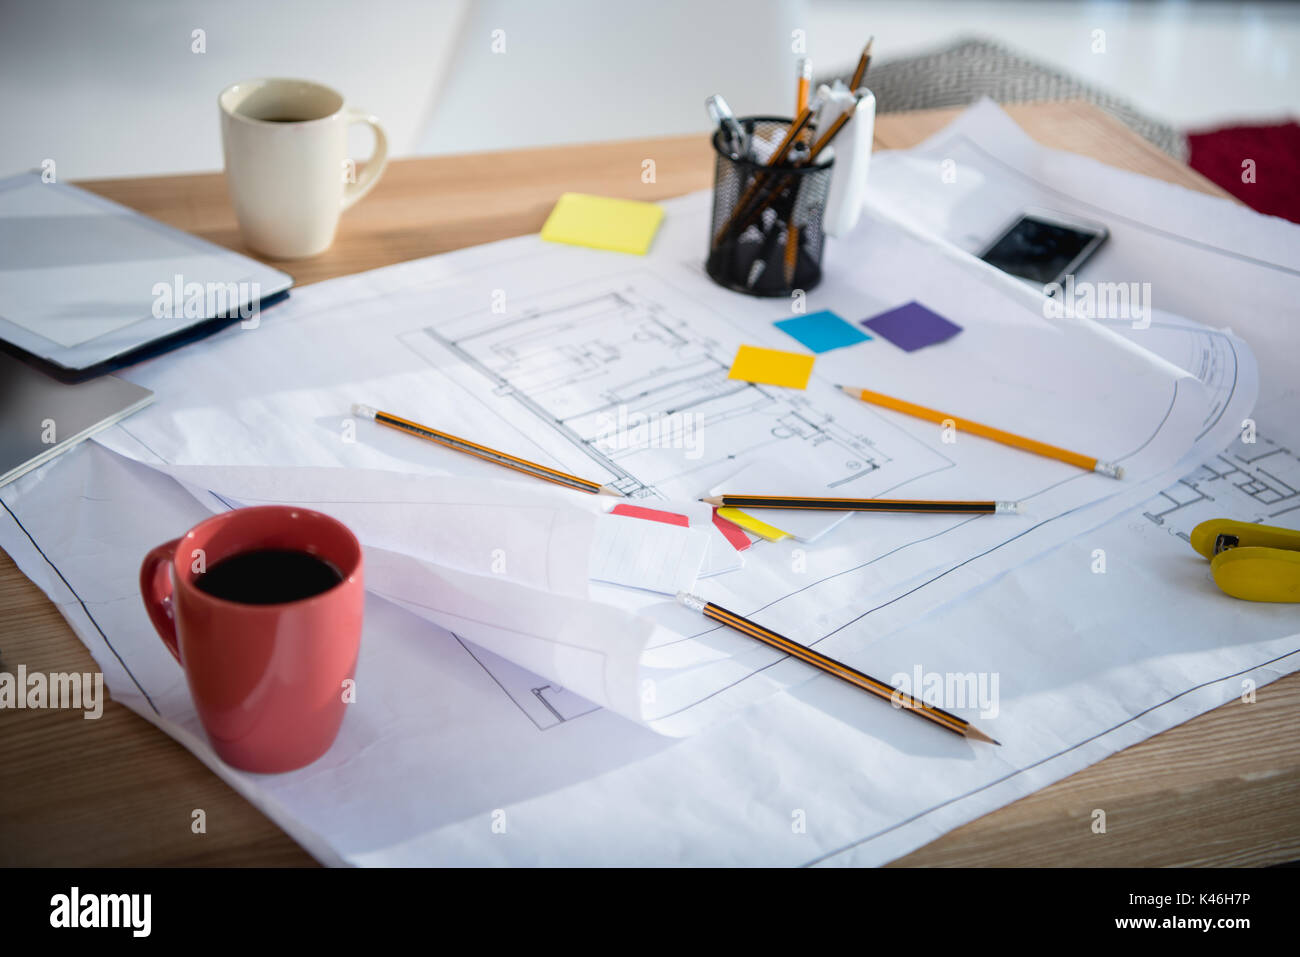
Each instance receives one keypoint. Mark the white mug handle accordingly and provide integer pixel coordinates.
(374, 166)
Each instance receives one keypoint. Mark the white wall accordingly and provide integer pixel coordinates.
(575, 71)
(111, 87)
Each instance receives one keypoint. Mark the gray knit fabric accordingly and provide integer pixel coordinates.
(961, 73)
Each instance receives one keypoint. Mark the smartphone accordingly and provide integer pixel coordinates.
(1042, 247)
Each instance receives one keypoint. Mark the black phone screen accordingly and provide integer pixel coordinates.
(1037, 250)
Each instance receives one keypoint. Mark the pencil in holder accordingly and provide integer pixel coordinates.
(766, 235)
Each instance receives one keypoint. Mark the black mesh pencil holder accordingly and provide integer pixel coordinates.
(766, 237)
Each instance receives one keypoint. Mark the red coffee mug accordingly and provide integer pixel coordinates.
(267, 680)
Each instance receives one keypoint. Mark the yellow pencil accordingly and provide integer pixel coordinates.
(987, 432)
(791, 250)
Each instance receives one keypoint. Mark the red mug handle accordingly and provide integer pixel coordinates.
(156, 589)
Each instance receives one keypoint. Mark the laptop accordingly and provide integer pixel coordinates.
(41, 417)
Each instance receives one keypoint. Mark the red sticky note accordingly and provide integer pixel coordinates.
(732, 532)
(651, 514)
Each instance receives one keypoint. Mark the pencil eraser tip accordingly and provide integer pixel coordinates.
(365, 411)
(690, 601)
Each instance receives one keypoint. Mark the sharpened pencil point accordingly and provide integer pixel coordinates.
(864, 62)
(607, 490)
(714, 500)
(978, 735)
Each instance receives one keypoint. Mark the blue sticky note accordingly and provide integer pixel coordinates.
(822, 331)
(912, 326)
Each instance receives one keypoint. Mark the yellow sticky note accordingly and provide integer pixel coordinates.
(751, 524)
(623, 225)
(772, 367)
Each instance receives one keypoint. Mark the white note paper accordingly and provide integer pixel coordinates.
(645, 554)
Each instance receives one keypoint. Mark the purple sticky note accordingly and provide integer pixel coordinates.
(912, 326)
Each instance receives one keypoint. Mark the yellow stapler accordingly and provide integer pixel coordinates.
(1254, 562)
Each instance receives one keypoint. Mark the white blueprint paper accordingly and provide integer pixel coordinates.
(1105, 660)
(588, 348)
(1209, 259)
(577, 785)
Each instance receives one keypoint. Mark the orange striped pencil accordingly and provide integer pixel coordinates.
(988, 432)
(494, 456)
(812, 503)
(944, 719)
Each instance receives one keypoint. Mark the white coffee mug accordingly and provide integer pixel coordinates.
(287, 166)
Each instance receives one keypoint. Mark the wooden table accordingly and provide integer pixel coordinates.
(1220, 789)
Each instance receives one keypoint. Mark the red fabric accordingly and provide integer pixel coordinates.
(1221, 155)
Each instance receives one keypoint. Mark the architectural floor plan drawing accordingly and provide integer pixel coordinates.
(1256, 482)
(633, 389)
(620, 386)
(545, 704)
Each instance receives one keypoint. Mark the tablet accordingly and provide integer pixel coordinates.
(87, 285)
